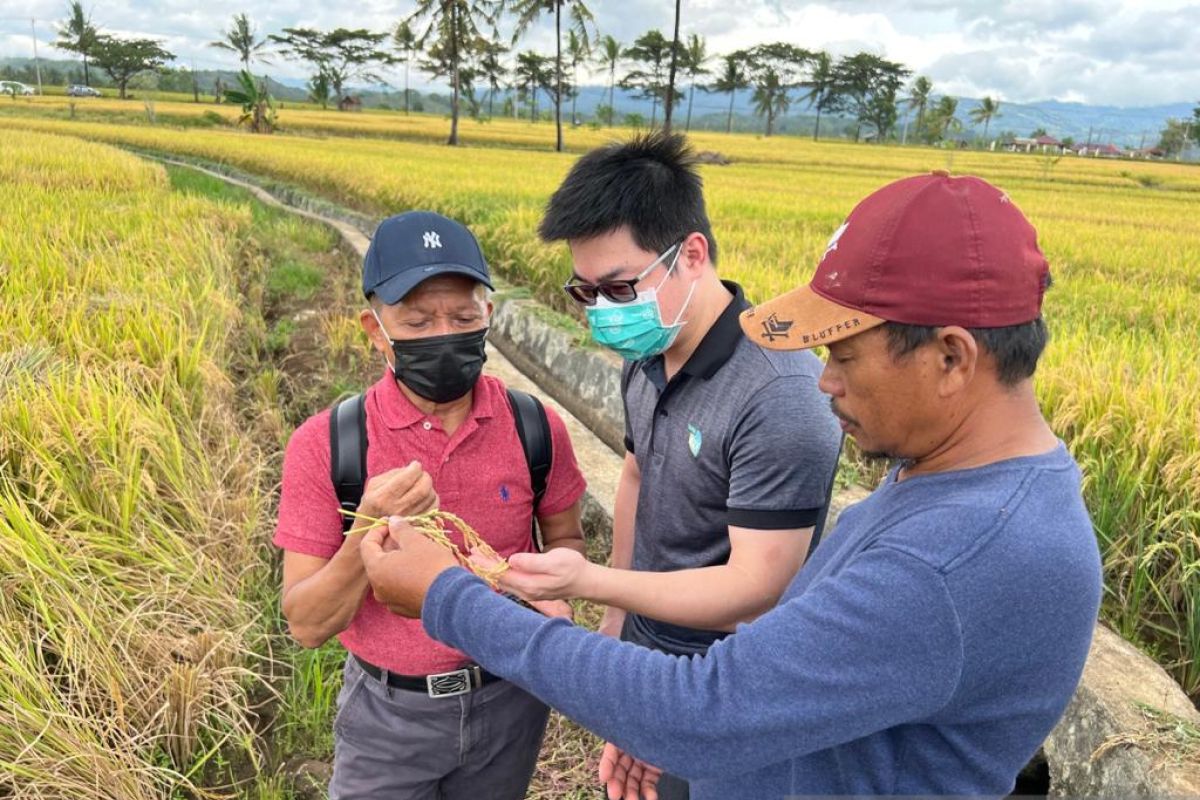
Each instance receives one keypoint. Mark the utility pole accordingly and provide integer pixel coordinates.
(37, 65)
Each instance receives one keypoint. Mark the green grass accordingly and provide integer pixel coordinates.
(309, 700)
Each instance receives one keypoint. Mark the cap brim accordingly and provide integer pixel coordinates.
(802, 319)
(394, 289)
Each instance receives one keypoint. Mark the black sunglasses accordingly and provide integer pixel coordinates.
(617, 291)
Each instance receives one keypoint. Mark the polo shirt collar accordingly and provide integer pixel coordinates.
(399, 412)
(719, 342)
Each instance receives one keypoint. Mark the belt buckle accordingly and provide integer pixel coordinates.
(449, 684)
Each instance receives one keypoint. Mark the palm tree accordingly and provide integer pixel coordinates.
(78, 35)
(455, 26)
(578, 50)
(984, 112)
(732, 78)
(694, 56)
(670, 97)
(820, 84)
(610, 55)
(405, 41)
(242, 39)
(492, 69)
(943, 117)
(532, 73)
(580, 20)
(770, 98)
(918, 98)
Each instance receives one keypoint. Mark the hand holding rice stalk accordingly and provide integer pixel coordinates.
(432, 525)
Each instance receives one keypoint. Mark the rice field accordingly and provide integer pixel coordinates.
(1120, 382)
(128, 488)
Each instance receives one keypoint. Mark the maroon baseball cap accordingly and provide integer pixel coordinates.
(927, 250)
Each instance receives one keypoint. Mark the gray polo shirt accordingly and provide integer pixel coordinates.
(739, 436)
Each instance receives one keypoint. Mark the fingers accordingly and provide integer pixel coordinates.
(527, 562)
(554, 608)
(608, 761)
(484, 561)
(417, 498)
(399, 529)
(372, 541)
(406, 490)
(625, 777)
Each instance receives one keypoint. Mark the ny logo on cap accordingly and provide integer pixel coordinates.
(432, 240)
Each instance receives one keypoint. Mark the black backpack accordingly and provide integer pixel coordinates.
(348, 449)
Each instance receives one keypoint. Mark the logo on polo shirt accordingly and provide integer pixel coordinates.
(694, 440)
(505, 494)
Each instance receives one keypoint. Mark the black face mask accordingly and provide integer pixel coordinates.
(440, 368)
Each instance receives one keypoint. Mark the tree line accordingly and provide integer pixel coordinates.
(460, 41)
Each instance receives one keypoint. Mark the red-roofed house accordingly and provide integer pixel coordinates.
(1046, 142)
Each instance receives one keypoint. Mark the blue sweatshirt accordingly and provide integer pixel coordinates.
(928, 647)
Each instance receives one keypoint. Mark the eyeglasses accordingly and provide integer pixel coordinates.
(618, 291)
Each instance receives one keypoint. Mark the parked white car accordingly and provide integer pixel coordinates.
(16, 88)
(82, 91)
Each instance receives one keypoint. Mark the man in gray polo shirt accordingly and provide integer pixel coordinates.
(731, 449)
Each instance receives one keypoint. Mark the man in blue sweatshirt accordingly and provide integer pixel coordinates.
(934, 639)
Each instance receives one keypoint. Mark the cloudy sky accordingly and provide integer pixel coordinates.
(1114, 52)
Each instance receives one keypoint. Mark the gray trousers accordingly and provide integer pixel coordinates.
(395, 744)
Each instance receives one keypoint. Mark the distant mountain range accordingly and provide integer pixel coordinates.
(1127, 127)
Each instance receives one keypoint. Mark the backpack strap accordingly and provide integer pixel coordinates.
(348, 453)
(533, 429)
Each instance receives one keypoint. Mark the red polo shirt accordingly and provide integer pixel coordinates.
(479, 474)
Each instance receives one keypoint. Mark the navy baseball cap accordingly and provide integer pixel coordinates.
(411, 247)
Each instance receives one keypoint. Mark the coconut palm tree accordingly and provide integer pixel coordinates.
(918, 98)
(78, 35)
(578, 50)
(821, 84)
(675, 53)
(731, 78)
(610, 51)
(241, 38)
(405, 42)
(943, 117)
(533, 73)
(985, 112)
(454, 26)
(695, 53)
(770, 98)
(581, 20)
(492, 70)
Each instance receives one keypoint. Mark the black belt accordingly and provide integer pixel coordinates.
(441, 684)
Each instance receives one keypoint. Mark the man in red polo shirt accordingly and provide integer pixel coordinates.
(439, 433)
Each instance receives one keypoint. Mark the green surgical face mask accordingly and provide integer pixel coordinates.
(635, 330)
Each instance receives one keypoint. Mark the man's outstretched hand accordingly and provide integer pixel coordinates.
(626, 777)
(557, 574)
(401, 565)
